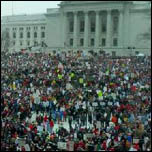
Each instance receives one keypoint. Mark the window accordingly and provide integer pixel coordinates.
(92, 26)
(115, 42)
(14, 29)
(14, 43)
(104, 25)
(82, 26)
(92, 42)
(137, 52)
(35, 27)
(35, 34)
(21, 35)
(35, 43)
(43, 34)
(42, 44)
(28, 28)
(21, 28)
(71, 26)
(14, 35)
(28, 43)
(103, 42)
(28, 34)
(103, 28)
(42, 27)
(7, 34)
(71, 42)
(115, 24)
(113, 53)
(21, 43)
(81, 42)
(7, 29)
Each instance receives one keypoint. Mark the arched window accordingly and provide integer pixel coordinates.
(14, 35)
(43, 34)
(28, 34)
(21, 35)
(35, 34)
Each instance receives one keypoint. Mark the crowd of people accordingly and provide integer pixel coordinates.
(105, 102)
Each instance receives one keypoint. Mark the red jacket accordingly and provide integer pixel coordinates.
(136, 146)
(104, 145)
(45, 118)
(31, 126)
(51, 124)
(81, 144)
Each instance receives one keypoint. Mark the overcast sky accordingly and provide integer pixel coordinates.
(27, 7)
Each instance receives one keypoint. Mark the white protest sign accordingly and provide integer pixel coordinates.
(110, 103)
(75, 135)
(62, 145)
(95, 104)
(8, 94)
(89, 135)
(21, 142)
(135, 140)
(84, 137)
(27, 147)
(98, 124)
(105, 89)
(40, 128)
(102, 103)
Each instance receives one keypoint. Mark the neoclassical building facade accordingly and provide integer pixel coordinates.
(116, 27)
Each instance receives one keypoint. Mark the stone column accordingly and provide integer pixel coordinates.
(97, 30)
(86, 29)
(120, 38)
(108, 35)
(75, 34)
(65, 29)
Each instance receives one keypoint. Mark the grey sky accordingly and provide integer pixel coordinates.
(26, 7)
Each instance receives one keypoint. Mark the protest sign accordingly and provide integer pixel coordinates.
(60, 76)
(62, 145)
(40, 129)
(135, 141)
(95, 104)
(110, 103)
(89, 135)
(27, 147)
(102, 103)
(98, 124)
(71, 146)
(80, 80)
(21, 141)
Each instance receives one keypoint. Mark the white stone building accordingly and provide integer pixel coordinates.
(25, 30)
(111, 26)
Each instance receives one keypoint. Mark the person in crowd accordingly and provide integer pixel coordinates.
(47, 98)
